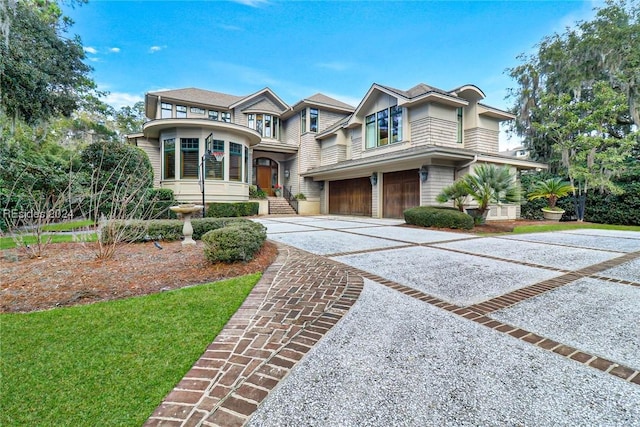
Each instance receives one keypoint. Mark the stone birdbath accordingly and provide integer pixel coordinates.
(187, 229)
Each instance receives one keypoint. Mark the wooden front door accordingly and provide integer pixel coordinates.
(263, 179)
(400, 191)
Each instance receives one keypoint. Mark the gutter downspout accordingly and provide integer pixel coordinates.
(466, 165)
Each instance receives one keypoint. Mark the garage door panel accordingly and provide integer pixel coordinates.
(350, 197)
(401, 190)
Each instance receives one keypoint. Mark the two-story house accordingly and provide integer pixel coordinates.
(396, 149)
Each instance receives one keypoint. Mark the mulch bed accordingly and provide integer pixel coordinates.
(69, 274)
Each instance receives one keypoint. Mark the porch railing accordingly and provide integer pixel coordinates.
(293, 202)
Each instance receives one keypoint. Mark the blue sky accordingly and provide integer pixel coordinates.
(299, 48)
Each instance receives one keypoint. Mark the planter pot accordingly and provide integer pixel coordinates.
(477, 217)
(550, 215)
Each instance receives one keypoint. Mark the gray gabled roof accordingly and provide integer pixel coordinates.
(320, 98)
(199, 96)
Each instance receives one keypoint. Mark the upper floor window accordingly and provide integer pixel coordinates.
(265, 124)
(213, 114)
(384, 127)
(303, 121)
(313, 120)
(181, 111)
(459, 129)
(167, 110)
(197, 110)
(225, 116)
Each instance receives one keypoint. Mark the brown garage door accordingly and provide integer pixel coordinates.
(401, 190)
(350, 197)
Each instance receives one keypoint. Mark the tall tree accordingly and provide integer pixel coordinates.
(42, 73)
(605, 49)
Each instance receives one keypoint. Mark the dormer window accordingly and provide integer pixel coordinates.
(266, 125)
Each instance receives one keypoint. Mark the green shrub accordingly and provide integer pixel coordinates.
(237, 241)
(226, 210)
(256, 193)
(159, 200)
(161, 229)
(300, 196)
(431, 216)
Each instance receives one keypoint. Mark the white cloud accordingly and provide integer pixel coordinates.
(252, 3)
(94, 59)
(335, 65)
(90, 49)
(154, 49)
(120, 99)
(114, 49)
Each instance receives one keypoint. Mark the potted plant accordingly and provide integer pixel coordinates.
(551, 189)
(277, 190)
(490, 184)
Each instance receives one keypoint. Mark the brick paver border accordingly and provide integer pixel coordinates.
(299, 298)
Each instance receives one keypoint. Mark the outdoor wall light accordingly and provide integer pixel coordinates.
(374, 178)
(424, 173)
(286, 173)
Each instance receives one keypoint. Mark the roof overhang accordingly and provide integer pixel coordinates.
(438, 97)
(520, 164)
(152, 129)
(401, 159)
(276, 147)
(485, 110)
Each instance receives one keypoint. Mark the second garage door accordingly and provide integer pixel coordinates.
(401, 190)
(350, 197)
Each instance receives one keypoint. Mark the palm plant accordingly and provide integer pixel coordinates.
(551, 189)
(457, 192)
(491, 184)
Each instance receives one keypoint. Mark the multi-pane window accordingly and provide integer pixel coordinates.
(214, 169)
(197, 110)
(246, 164)
(189, 157)
(383, 127)
(169, 148)
(313, 120)
(213, 115)
(166, 111)
(370, 131)
(265, 124)
(235, 161)
(225, 116)
(303, 121)
(396, 124)
(459, 129)
(181, 111)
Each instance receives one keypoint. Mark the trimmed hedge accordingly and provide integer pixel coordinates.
(237, 241)
(163, 229)
(226, 210)
(442, 217)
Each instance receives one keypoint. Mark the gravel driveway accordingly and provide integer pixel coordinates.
(536, 330)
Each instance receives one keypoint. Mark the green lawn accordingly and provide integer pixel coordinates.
(68, 226)
(571, 226)
(109, 363)
(9, 242)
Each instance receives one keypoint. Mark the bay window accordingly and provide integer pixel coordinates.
(189, 157)
(235, 162)
(214, 169)
(169, 158)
